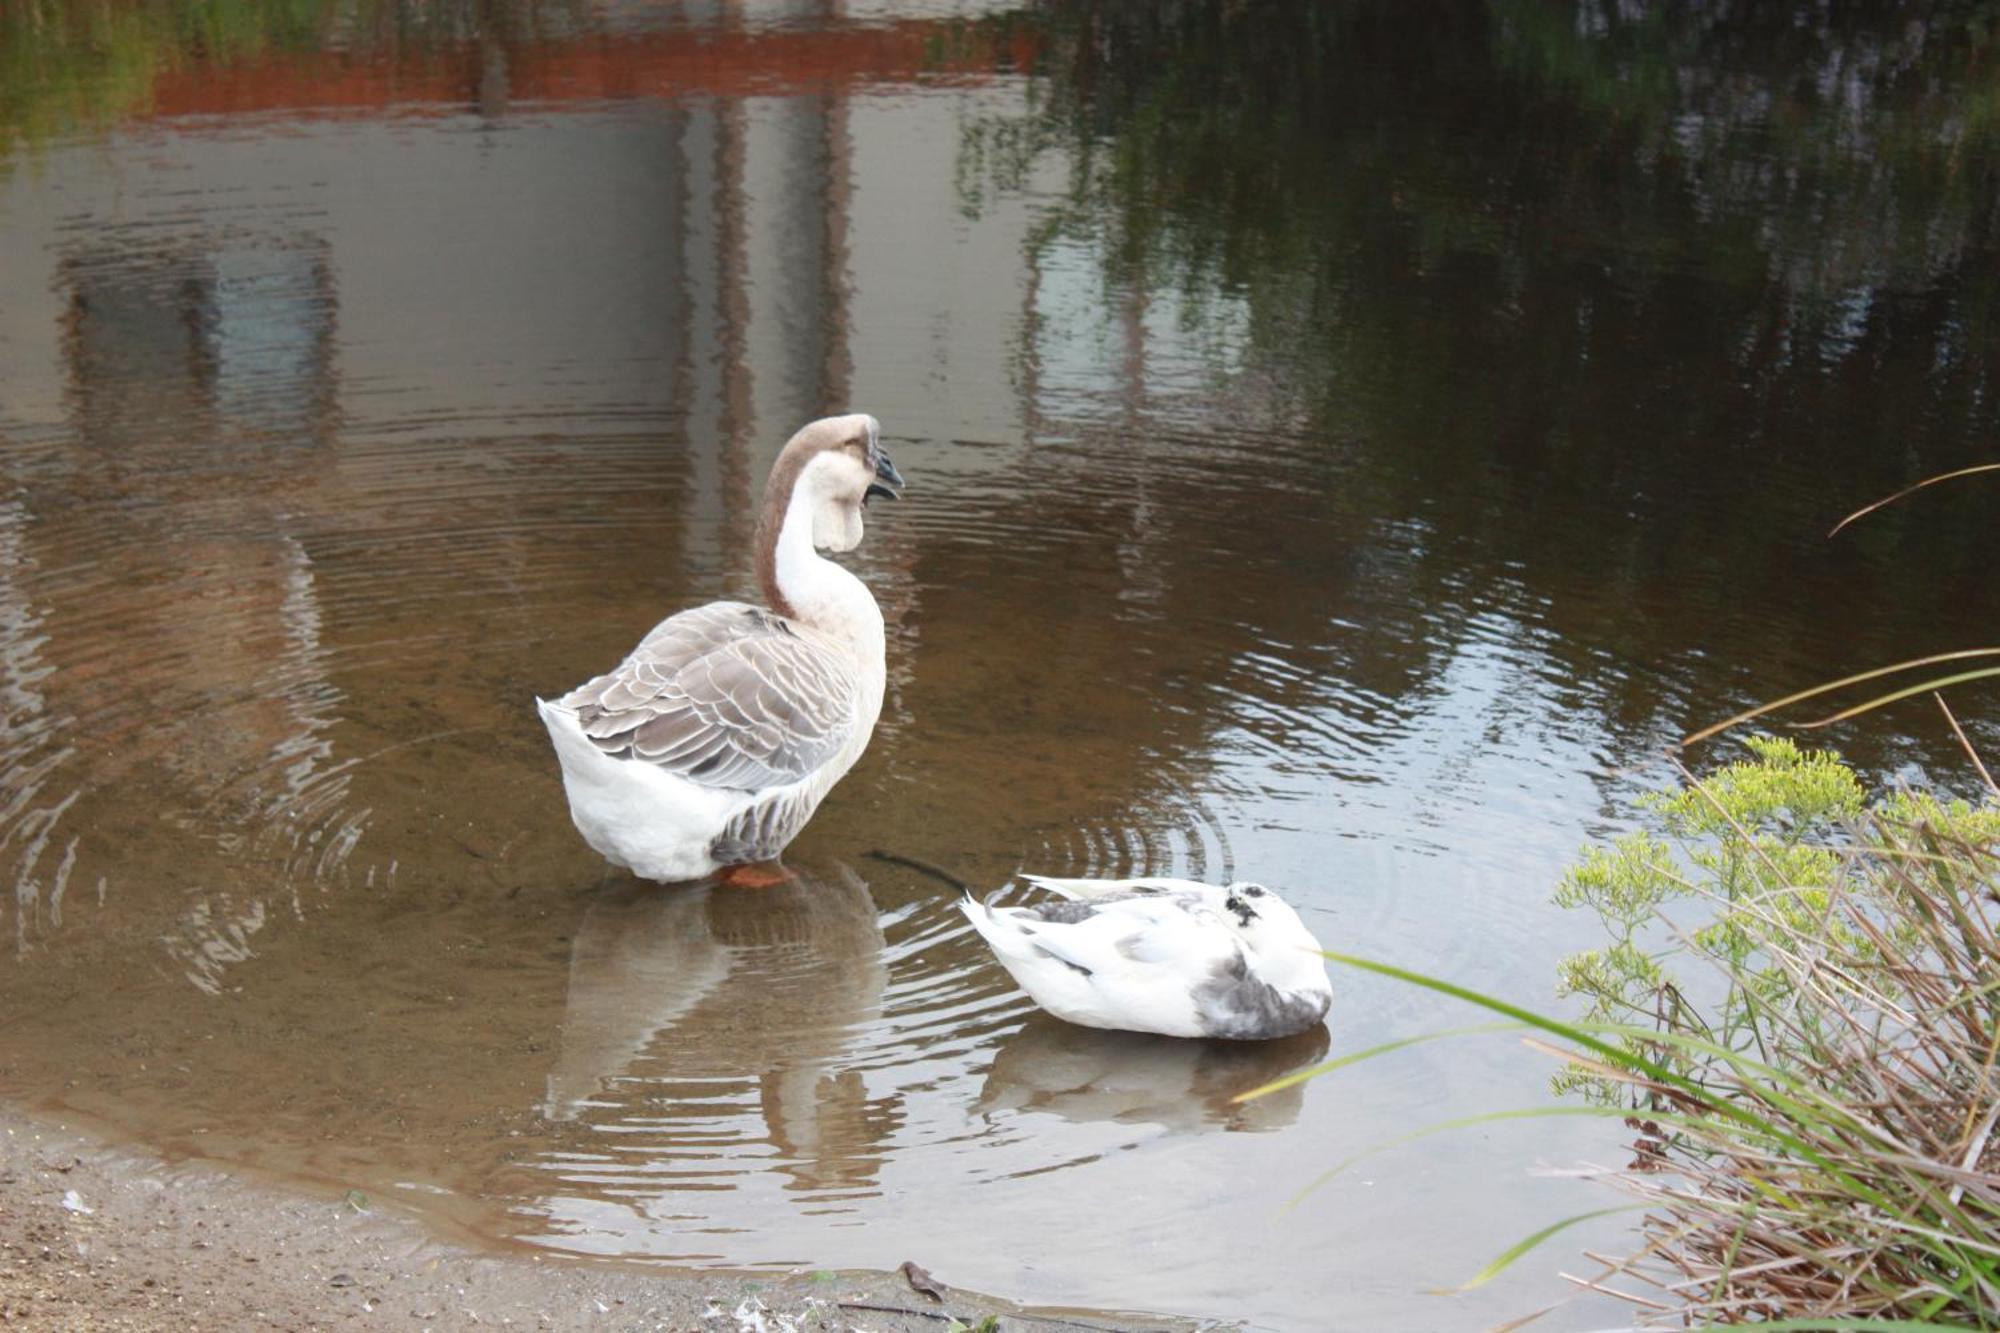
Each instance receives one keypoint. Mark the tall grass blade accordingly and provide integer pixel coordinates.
(1828, 688)
(1298, 1076)
(1923, 687)
(1911, 490)
(1859, 1325)
(1527, 1243)
(1446, 1126)
(1979, 763)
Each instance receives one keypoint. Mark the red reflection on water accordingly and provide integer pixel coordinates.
(716, 62)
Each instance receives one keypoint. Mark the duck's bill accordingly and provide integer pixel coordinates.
(888, 482)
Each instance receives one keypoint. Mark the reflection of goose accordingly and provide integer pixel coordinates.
(714, 742)
(704, 984)
(640, 960)
(1172, 956)
(1082, 1074)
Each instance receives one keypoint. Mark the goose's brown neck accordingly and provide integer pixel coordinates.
(771, 522)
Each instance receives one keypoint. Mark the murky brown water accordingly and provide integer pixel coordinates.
(1345, 462)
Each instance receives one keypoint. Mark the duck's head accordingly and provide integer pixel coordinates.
(1266, 923)
(833, 466)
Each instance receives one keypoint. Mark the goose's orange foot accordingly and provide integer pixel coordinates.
(768, 875)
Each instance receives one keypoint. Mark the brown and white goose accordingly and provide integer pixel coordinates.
(712, 744)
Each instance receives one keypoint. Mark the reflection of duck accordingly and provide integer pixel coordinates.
(1171, 956)
(1083, 1074)
(715, 740)
(718, 986)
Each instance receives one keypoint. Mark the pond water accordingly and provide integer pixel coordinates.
(1345, 447)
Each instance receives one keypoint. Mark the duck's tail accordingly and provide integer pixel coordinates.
(1001, 935)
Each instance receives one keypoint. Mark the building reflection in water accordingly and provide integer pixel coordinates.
(32, 751)
(181, 627)
(254, 384)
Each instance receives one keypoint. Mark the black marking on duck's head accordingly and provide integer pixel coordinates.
(1237, 904)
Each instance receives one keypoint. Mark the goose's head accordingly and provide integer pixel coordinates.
(833, 466)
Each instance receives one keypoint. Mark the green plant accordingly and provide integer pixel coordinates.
(1827, 1143)
(1810, 1072)
(1757, 849)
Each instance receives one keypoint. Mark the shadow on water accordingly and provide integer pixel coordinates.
(1082, 1074)
(1345, 443)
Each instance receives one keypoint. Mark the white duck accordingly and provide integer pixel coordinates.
(712, 744)
(1162, 955)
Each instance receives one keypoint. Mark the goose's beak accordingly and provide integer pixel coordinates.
(888, 482)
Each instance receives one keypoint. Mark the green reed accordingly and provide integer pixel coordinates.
(1809, 1074)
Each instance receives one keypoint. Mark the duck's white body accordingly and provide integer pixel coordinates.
(1171, 956)
(715, 740)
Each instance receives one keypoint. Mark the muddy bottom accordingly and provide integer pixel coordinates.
(97, 1238)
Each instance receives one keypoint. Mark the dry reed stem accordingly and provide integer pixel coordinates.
(1970, 753)
(1894, 1018)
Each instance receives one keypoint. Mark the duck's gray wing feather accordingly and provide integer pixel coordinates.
(726, 695)
(1139, 928)
(1085, 889)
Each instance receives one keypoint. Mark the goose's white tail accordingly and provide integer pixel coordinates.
(638, 816)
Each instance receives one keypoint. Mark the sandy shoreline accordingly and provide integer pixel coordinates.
(94, 1236)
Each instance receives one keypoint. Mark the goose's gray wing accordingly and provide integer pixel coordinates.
(726, 695)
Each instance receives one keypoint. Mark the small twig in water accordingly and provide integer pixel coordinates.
(949, 1317)
(938, 873)
(945, 1315)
